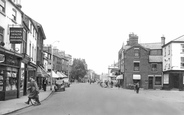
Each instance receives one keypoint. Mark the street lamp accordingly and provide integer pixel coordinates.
(52, 64)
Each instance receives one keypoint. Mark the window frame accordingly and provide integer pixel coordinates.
(136, 51)
(157, 81)
(14, 16)
(182, 62)
(2, 34)
(3, 7)
(137, 66)
(182, 48)
(154, 69)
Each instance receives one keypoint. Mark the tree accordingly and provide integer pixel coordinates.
(79, 69)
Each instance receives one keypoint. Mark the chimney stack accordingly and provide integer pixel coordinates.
(163, 40)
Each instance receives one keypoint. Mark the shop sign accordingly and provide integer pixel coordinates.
(2, 58)
(16, 35)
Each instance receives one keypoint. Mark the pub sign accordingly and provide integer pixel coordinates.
(16, 35)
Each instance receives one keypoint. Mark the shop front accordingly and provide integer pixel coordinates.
(10, 63)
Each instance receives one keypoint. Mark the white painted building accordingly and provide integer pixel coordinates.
(10, 17)
(173, 64)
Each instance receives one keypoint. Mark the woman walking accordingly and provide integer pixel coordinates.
(34, 91)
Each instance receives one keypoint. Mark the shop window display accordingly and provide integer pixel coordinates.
(1, 80)
(11, 79)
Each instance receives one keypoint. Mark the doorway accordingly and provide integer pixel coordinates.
(175, 80)
(150, 83)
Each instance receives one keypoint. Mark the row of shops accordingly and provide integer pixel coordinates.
(15, 71)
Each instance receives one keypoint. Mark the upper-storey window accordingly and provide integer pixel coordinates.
(136, 66)
(2, 6)
(182, 48)
(1, 34)
(169, 49)
(136, 52)
(182, 62)
(14, 15)
(164, 51)
(156, 52)
(153, 67)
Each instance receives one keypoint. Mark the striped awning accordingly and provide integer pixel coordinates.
(41, 72)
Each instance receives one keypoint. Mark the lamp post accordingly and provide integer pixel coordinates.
(52, 64)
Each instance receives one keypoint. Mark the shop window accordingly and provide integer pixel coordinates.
(154, 67)
(136, 66)
(158, 81)
(1, 80)
(2, 6)
(11, 79)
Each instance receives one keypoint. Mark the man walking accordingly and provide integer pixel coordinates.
(137, 87)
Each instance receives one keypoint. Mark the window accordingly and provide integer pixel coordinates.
(136, 52)
(182, 48)
(169, 50)
(30, 49)
(182, 62)
(158, 81)
(2, 6)
(136, 66)
(30, 28)
(11, 79)
(14, 15)
(154, 67)
(164, 51)
(156, 52)
(1, 34)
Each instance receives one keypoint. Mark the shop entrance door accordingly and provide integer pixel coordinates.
(175, 78)
(150, 84)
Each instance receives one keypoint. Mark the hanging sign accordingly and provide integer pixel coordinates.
(16, 35)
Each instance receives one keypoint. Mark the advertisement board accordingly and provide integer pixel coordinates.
(16, 35)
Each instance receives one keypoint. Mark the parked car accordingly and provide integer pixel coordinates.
(66, 81)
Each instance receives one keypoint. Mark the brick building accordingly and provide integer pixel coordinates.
(141, 63)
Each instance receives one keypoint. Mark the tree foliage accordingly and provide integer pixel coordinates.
(79, 69)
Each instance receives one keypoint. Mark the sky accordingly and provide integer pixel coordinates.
(95, 30)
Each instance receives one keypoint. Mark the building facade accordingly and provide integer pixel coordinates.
(173, 64)
(141, 63)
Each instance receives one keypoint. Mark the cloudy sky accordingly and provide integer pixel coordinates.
(95, 30)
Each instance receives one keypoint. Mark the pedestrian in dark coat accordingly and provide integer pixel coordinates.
(34, 91)
(44, 84)
(137, 87)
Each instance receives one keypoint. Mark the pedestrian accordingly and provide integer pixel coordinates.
(44, 84)
(34, 91)
(137, 87)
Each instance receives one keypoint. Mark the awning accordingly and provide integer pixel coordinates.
(60, 74)
(136, 76)
(41, 72)
(55, 75)
(119, 77)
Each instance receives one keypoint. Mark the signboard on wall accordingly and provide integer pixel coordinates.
(16, 35)
(166, 78)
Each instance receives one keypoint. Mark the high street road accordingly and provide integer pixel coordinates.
(91, 99)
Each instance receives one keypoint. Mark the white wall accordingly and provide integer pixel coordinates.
(6, 22)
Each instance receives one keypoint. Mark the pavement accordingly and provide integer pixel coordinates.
(12, 105)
